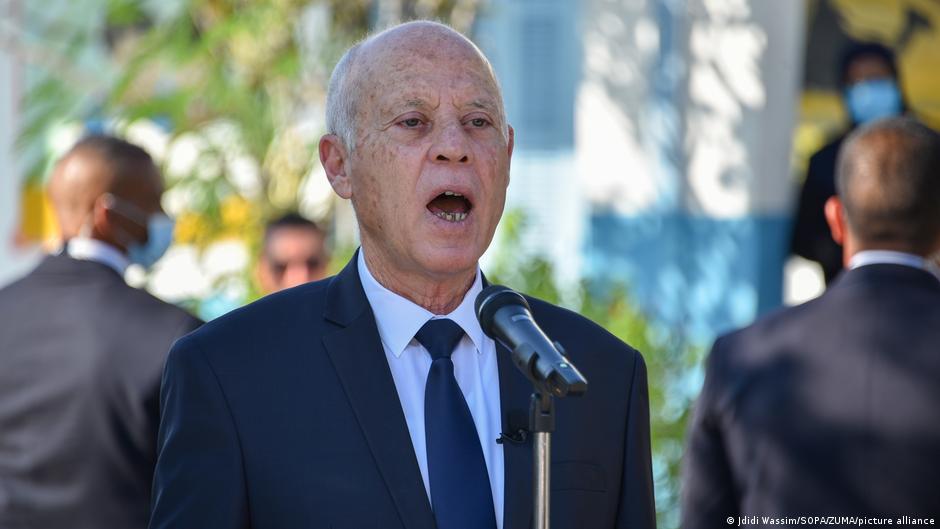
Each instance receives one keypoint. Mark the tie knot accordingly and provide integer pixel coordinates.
(439, 337)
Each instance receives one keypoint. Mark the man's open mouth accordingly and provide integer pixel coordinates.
(450, 206)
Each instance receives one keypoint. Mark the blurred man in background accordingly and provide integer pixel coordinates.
(81, 352)
(294, 252)
(868, 77)
(833, 407)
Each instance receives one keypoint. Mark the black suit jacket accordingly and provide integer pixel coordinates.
(284, 414)
(828, 408)
(81, 354)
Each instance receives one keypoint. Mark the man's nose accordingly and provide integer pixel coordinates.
(451, 144)
(296, 274)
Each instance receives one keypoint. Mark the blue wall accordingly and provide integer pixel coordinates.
(704, 274)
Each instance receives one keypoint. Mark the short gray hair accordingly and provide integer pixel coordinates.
(341, 100)
(888, 178)
(342, 94)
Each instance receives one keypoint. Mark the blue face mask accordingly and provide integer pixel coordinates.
(873, 100)
(159, 237)
(159, 232)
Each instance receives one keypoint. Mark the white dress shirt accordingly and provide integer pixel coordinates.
(87, 249)
(398, 320)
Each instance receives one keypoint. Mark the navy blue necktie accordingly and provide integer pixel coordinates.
(460, 486)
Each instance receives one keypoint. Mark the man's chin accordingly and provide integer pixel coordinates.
(450, 261)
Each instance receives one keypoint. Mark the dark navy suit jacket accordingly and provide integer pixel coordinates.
(81, 355)
(828, 408)
(284, 414)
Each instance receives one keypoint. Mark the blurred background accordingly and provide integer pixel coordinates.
(660, 145)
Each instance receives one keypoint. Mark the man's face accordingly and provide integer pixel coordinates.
(867, 68)
(871, 92)
(430, 168)
(292, 256)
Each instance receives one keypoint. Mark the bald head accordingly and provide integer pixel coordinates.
(97, 165)
(367, 65)
(888, 179)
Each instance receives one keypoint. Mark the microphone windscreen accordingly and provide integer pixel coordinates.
(493, 298)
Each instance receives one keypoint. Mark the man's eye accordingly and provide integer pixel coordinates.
(411, 122)
(479, 122)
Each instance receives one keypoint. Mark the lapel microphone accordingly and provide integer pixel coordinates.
(516, 438)
(516, 425)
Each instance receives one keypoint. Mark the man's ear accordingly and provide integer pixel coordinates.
(333, 156)
(512, 140)
(835, 217)
(102, 223)
(511, 146)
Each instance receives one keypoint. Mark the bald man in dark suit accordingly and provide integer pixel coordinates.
(832, 408)
(81, 351)
(373, 399)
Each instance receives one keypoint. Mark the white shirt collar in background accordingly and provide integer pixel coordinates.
(870, 257)
(86, 249)
(399, 319)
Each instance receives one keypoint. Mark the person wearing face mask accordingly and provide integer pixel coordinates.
(82, 352)
(868, 78)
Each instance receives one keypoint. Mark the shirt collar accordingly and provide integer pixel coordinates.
(870, 257)
(399, 319)
(86, 249)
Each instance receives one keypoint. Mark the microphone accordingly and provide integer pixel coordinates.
(505, 317)
(517, 421)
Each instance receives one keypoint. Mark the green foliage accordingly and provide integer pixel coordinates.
(243, 79)
(670, 358)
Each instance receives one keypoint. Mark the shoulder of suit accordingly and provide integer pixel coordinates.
(567, 327)
(765, 332)
(831, 149)
(113, 297)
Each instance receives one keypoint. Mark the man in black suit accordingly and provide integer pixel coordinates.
(832, 408)
(871, 89)
(81, 352)
(373, 398)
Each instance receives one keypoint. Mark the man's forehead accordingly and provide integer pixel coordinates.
(432, 101)
(291, 237)
(428, 86)
(419, 36)
(421, 53)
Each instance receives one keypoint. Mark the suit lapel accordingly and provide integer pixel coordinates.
(357, 355)
(514, 392)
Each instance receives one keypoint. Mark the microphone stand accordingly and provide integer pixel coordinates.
(542, 424)
(504, 316)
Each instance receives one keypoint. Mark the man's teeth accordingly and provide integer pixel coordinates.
(452, 194)
(452, 217)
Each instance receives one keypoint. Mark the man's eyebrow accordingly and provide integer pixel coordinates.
(408, 103)
(393, 108)
(482, 104)
(415, 103)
